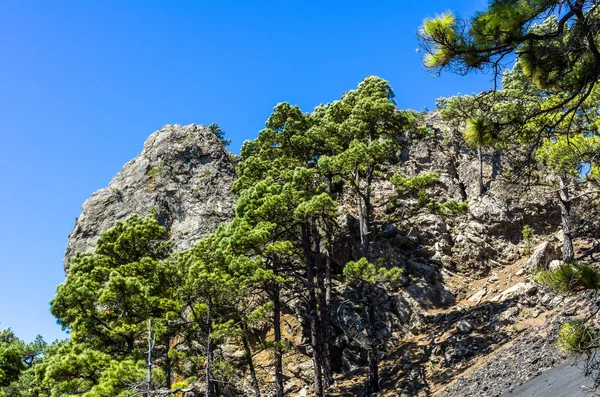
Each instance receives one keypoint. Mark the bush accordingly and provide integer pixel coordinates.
(569, 277)
(561, 279)
(575, 337)
(589, 277)
(448, 208)
(527, 237)
(406, 185)
(219, 133)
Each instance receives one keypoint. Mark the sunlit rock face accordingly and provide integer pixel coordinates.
(183, 174)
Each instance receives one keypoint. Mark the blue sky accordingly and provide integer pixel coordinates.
(83, 83)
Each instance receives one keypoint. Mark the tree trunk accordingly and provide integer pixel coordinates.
(210, 390)
(328, 272)
(149, 375)
(362, 224)
(168, 364)
(130, 340)
(277, 332)
(325, 306)
(373, 371)
(312, 309)
(328, 284)
(565, 215)
(250, 361)
(481, 185)
(363, 204)
(372, 357)
(324, 319)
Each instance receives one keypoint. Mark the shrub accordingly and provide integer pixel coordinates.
(576, 337)
(589, 277)
(422, 198)
(570, 276)
(406, 185)
(448, 208)
(527, 237)
(219, 133)
(155, 171)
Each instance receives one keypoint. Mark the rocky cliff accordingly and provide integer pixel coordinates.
(466, 302)
(183, 174)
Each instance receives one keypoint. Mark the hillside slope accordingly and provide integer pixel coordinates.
(467, 319)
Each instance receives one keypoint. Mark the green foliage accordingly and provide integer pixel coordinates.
(532, 124)
(223, 370)
(73, 369)
(548, 101)
(17, 359)
(361, 129)
(24, 386)
(111, 293)
(570, 276)
(363, 270)
(527, 232)
(406, 185)
(527, 237)
(258, 317)
(568, 155)
(422, 198)
(576, 337)
(588, 276)
(105, 303)
(448, 208)
(290, 181)
(554, 52)
(232, 281)
(11, 357)
(154, 171)
(442, 28)
(563, 278)
(219, 133)
(478, 133)
(546, 111)
(128, 242)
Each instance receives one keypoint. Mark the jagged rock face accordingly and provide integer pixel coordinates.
(490, 234)
(184, 174)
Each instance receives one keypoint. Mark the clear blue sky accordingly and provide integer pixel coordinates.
(83, 83)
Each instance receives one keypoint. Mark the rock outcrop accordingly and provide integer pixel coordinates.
(490, 234)
(184, 174)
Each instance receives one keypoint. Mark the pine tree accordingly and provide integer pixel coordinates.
(556, 42)
(16, 363)
(298, 161)
(573, 160)
(109, 296)
(478, 135)
(367, 128)
(268, 207)
(368, 275)
(209, 288)
(282, 160)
